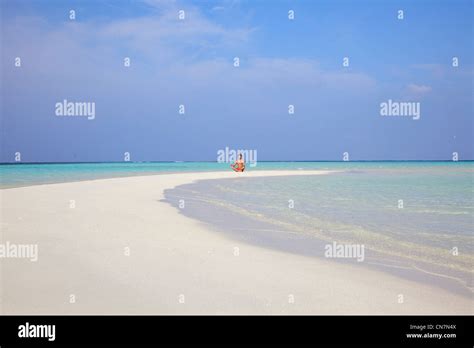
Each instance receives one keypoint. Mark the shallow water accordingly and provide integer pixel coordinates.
(24, 174)
(408, 215)
(418, 217)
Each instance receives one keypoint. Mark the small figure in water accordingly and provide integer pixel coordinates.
(239, 165)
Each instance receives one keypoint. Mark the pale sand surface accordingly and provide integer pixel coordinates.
(81, 252)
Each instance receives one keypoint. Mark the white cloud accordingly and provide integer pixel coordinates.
(418, 89)
(218, 8)
(165, 61)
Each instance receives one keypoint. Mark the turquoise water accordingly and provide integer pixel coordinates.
(359, 204)
(16, 175)
(416, 212)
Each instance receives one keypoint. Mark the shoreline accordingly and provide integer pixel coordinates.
(106, 178)
(277, 237)
(176, 265)
(280, 236)
(321, 165)
(287, 172)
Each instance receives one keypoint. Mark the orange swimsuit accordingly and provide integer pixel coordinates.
(238, 167)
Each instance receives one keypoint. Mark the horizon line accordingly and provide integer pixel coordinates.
(269, 161)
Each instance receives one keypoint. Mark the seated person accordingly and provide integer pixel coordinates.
(239, 165)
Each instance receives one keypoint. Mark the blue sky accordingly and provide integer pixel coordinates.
(282, 62)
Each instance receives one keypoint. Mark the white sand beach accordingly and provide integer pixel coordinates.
(176, 265)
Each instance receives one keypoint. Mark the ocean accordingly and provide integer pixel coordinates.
(23, 174)
(413, 218)
(408, 215)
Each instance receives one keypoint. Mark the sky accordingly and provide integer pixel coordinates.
(190, 62)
